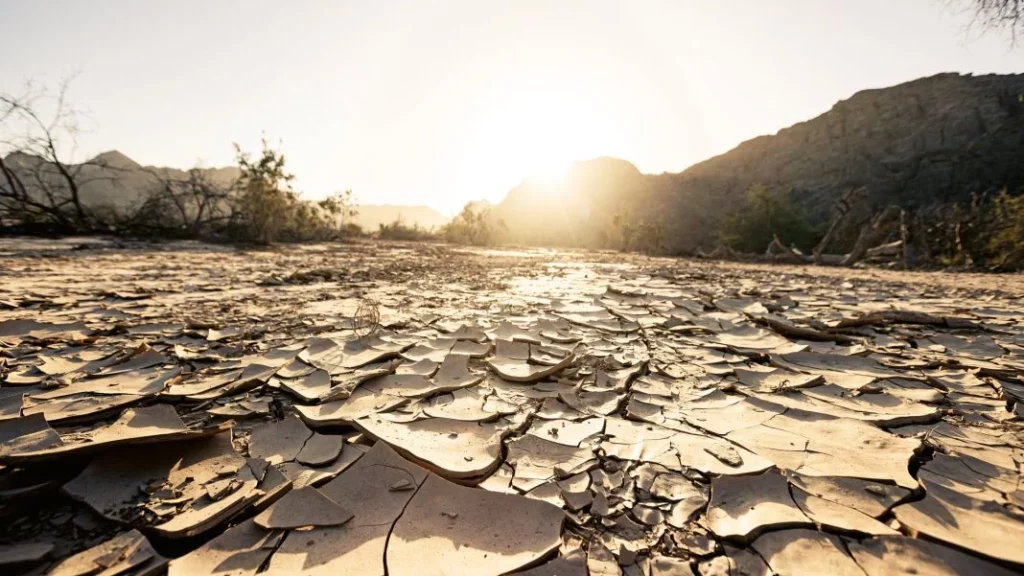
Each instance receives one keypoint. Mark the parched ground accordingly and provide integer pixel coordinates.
(376, 408)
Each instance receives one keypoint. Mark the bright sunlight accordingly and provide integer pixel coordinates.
(532, 133)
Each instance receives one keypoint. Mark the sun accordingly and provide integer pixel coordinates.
(547, 169)
(528, 134)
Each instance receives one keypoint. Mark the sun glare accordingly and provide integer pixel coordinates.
(527, 134)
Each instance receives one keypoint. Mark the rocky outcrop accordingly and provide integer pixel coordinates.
(935, 139)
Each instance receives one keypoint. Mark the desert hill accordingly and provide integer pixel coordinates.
(934, 139)
(371, 216)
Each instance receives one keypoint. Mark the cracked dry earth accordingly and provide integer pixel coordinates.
(425, 410)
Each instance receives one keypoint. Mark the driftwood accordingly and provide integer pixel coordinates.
(869, 242)
(791, 330)
(867, 246)
(842, 207)
(780, 253)
(885, 317)
(722, 252)
(872, 234)
(890, 250)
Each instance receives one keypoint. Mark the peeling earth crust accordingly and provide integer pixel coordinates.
(376, 408)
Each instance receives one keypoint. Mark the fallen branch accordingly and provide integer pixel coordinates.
(884, 317)
(890, 250)
(872, 234)
(842, 208)
(779, 252)
(791, 330)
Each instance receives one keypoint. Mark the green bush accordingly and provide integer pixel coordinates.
(399, 230)
(630, 235)
(265, 201)
(986, 233)
(765, 213)
(265, 208)
(473, 225)
(1006, 240)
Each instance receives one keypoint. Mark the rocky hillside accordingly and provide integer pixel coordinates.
(933, 139)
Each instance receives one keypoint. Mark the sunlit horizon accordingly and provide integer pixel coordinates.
(407, 103)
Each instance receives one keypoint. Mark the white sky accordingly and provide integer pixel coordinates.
(419, 102)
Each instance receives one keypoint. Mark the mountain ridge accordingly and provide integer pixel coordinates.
(932, 139)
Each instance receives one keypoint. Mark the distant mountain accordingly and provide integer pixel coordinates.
(371, 216)
(110, 182)
(933, 139)
(113, 182)
(577, 211)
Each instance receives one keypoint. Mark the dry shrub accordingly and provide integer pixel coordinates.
(367, 317)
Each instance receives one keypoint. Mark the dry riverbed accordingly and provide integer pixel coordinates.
(377, 408)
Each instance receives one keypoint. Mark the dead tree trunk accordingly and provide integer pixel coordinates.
(908, 250)
(842, 207)
(872, 235)
(916, 251)
(780, 253)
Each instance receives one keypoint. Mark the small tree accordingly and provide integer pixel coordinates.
(473, 225)
(399, 230)
(986, 232)
(264, 198)
(766, 213)
(1005, 15)
(191, 206)
(39, 181)
(1006, 242)
(266, 209)
(630, 235)
(340, 207)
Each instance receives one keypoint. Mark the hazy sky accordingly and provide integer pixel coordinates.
(419, 102)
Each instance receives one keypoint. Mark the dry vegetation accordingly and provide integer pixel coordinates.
(41, 188)
(985, 234)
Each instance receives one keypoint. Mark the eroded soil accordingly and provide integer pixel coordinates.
(424, 409)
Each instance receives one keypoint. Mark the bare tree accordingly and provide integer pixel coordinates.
(40, 182)
(1002, 15)
(842, 208)
(192, 205)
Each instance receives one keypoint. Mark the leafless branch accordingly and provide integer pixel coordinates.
(44, 183)
(998, 15)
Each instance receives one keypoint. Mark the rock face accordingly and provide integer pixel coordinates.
(933, 139)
